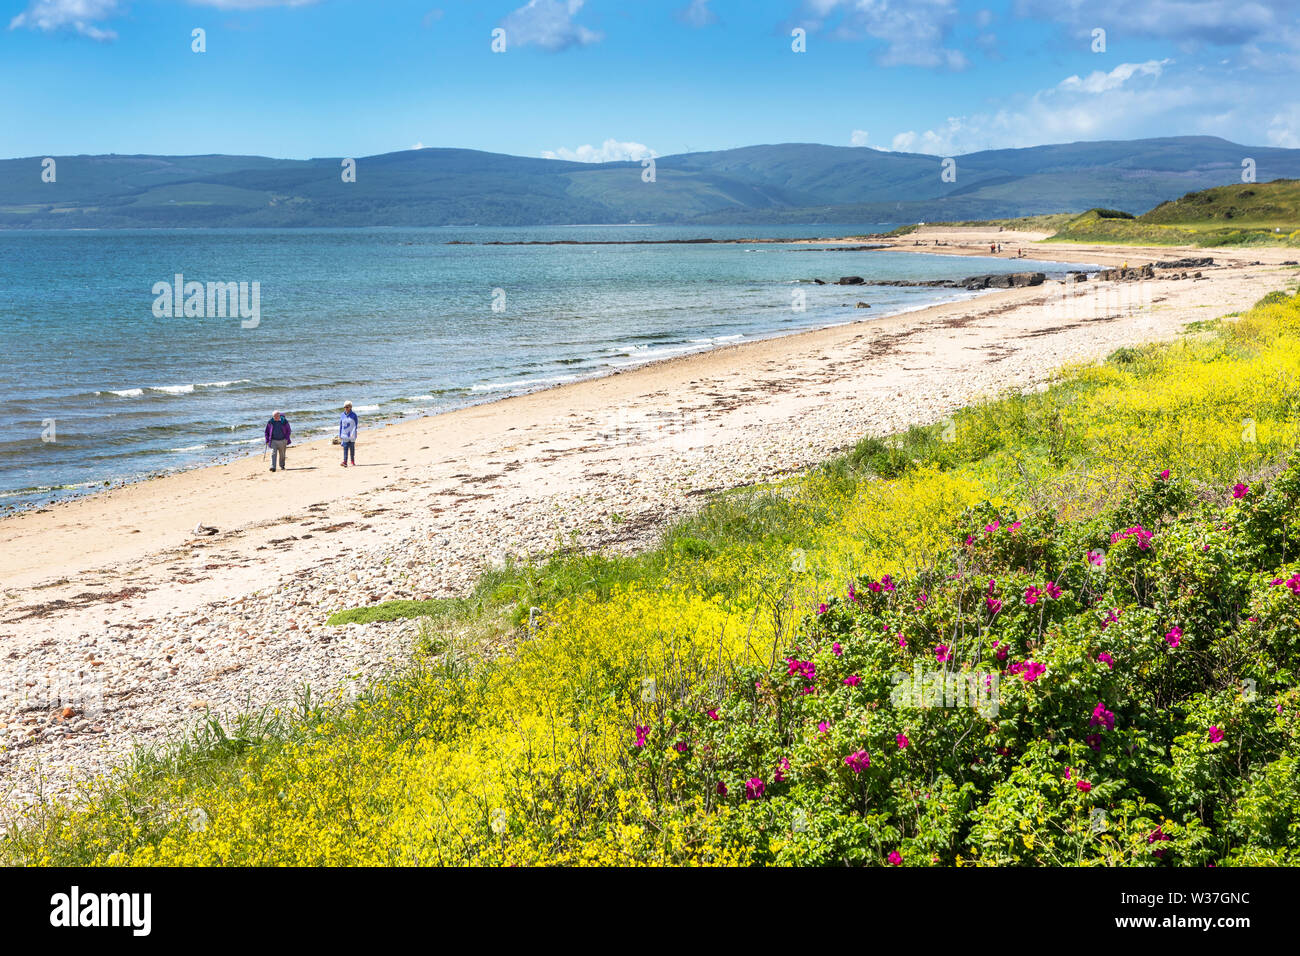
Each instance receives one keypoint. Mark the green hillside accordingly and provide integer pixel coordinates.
(1241, 214)
(1260, 205)
(789, 182)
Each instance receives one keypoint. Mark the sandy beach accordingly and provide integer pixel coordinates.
(114, 602)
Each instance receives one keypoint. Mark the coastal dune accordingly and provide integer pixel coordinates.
(121, 625)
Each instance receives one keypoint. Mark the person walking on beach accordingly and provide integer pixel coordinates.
(348, 433)
(277, 438)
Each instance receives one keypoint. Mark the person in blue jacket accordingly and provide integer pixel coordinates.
(348, 433)
(277, 438)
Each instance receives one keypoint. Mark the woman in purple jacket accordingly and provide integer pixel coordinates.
(348, 433)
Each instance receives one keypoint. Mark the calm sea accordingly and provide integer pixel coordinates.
(97, 387)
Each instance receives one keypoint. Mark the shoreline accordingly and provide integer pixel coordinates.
(229, 457)
(167, 626)
(91, 489)
(232, 457)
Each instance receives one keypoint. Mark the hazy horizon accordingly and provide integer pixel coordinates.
(471, 149)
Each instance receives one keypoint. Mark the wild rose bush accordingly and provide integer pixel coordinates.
(1117, 691)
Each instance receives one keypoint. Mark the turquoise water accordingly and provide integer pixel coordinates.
(397, 321)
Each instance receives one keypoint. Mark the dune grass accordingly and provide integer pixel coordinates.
(389, 611)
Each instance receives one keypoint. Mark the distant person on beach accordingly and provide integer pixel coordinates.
(277, 438)
(348, 433)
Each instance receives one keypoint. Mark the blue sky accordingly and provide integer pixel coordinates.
(618, 79)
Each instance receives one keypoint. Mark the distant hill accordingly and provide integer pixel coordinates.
(1241, 214)
(792, 182)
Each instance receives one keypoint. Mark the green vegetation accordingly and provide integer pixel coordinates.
(1119, 555)
(1244, 214)
(391, 611)
(1273, 205)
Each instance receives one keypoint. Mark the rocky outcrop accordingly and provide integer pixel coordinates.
(851, 280)
(1191, 262)
(1004, 280)
(1127, 275)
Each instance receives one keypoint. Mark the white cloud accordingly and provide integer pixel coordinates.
(251, 4)
(611, 151)
(1219, 22)
(859, 138)
(698, 14)
(1284, 128)
(936, 142)
(419, 145)
(1099, 82)
(914, 32)
(79, 16)
(1126, 102)
(85, 16)
(549, 25)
